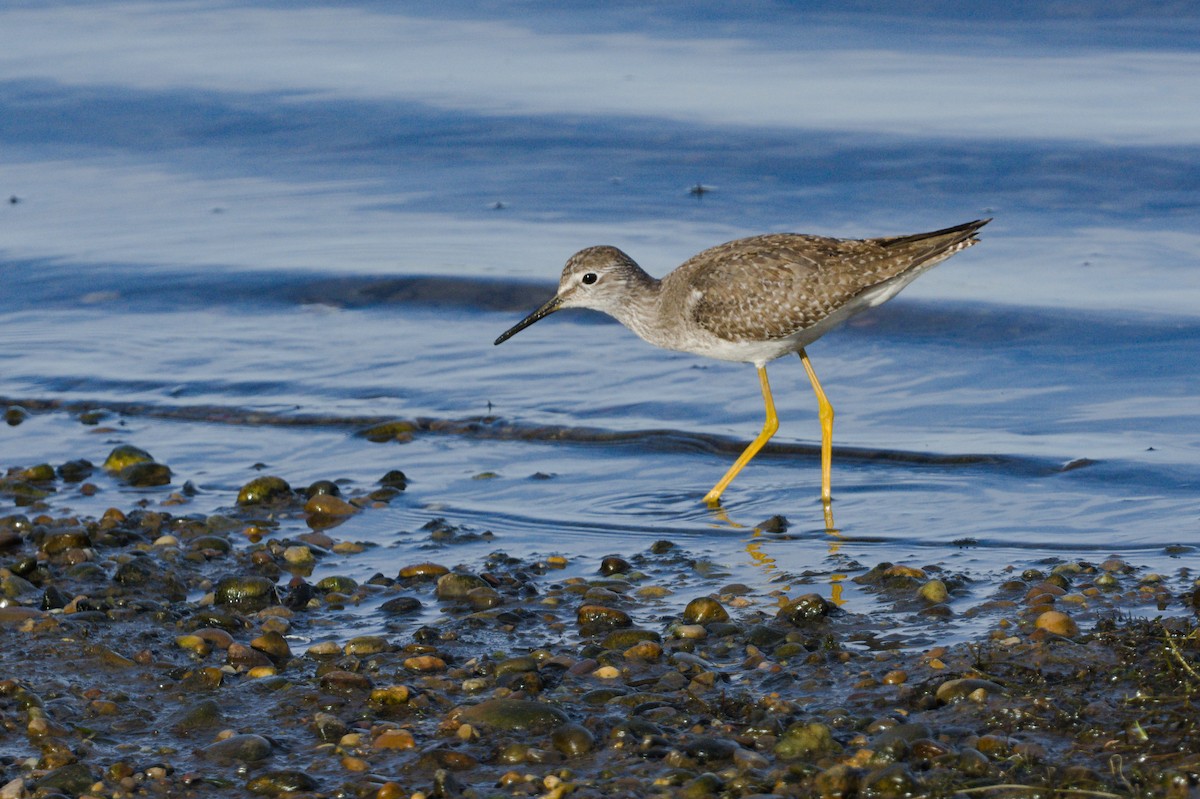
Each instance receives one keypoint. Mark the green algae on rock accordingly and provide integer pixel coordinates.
(123, 456)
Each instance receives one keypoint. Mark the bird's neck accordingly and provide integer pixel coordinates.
(640, 308)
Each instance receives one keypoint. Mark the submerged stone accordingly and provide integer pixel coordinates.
(515, 714)
(246, 748)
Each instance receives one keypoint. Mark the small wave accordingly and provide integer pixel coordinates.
(384, 429)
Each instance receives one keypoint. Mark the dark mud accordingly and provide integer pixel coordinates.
(155, 652)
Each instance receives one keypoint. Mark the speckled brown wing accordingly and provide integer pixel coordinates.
(769, 287)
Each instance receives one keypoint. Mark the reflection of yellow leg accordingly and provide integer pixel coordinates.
(769, 428)
(825, 413)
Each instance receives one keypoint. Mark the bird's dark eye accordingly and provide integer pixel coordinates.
(589, 278)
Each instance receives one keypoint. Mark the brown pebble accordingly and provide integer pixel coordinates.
(425, 663)
(703, 610)
(644, 650)
(423, 571)
(394, 739)
(391, 790)
(602, 617)
(1057, 623)
(329, 505)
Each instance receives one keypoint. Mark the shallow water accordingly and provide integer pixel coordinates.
(250, 249)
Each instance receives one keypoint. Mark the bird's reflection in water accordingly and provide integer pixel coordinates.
(754, 545)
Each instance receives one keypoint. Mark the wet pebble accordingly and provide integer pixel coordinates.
(614, 565)
(598, 618)
(246, 593)
(278, 783)
(457, 585)
(245, 748)
(1057, 623)
(702, 610)
(266, 488)
(124, 456)
(515, 714)
(572, 740)
(146, 475)
(805, 610)
(973, 688)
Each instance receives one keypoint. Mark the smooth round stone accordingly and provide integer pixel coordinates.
(146, 475)
(804, 610)
(245, 593)
(893, 743)
(900, 570)
(57, 543)
(73, 779)
(337, 583)
(203, 714)
(516, 665)
(273, 645)
(394, 479)
(324, 650)
(277, 783)
(623, 639)
(41, 473)
(76, 471)
(390, 695)
(599, 617)
(323, 487)
(15, 615)
(299, 555)
(329, 505)
(248, 657)
(805, 740)
(934, 592)
(572, 740)
(974, 688)
(422, 571)
(484, 598)
(345, 682)
(266, 488)
(425, 663)
(124, 456)
(400, 605)
(515, 714)
(893, 781)
(702, 610)
(244, 748)
(194, 644)
(695, 632)
(217, 637)
(365, 645)
(614, 565)
(394, 739)
(399, 430)
(1056, 622)
(456, 585)
(649, 651)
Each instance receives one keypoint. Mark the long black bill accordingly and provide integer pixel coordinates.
(547, 309)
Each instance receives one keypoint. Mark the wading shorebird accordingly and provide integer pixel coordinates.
(754, 300)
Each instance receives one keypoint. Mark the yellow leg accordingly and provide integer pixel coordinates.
(825, 413)
(769, 427)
